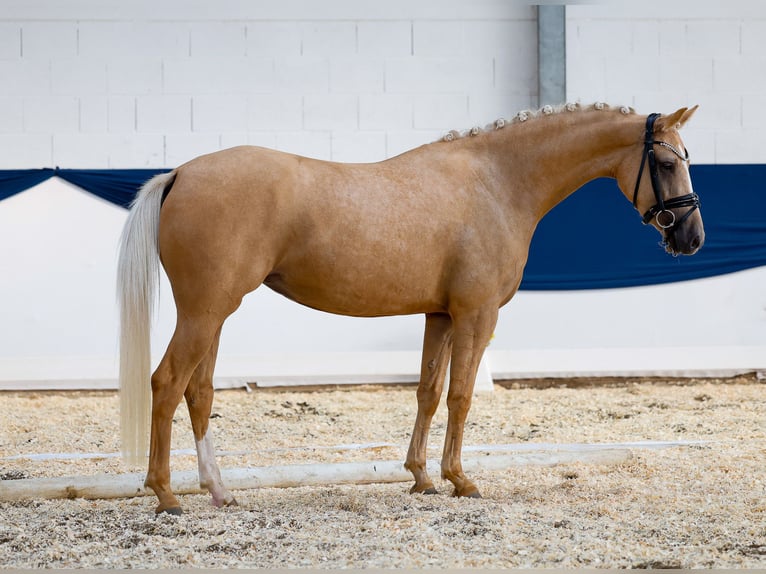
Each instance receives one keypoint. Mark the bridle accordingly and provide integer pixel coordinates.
(661, 210)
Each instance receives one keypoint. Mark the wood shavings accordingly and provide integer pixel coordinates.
(701, 506)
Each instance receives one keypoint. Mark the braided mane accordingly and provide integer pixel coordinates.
(526, 115)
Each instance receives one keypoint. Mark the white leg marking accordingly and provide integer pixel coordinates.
(209, 474)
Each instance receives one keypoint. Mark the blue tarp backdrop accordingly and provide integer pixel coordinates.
(117, 186)
(592, 240)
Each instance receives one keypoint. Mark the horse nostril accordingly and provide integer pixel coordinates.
(695, 243)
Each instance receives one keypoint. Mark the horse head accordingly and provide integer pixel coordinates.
(662, 189)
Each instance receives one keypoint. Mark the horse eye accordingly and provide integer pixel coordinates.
(667, 165)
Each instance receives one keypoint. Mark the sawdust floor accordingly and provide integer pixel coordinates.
(699, 505)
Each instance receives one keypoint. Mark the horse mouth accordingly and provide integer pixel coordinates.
(687, 247)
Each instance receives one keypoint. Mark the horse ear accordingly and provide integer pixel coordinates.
(676, 120)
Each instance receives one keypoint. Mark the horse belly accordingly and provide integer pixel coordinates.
(358, 290)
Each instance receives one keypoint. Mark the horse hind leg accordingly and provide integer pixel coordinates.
(199, 399)
(191, 342)
(437, 343)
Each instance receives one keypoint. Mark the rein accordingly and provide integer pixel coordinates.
(661, 210)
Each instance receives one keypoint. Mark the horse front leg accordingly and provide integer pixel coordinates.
(188, 346)
(199, 399)
(472, 334)
(437, 343)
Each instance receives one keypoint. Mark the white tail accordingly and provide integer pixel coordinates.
(137, 279)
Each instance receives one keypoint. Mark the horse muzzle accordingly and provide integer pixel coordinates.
(685, 239)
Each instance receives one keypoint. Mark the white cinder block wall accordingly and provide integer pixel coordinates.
(659, 56)
(142, 85)
(116, 84)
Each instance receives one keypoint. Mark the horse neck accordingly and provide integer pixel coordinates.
(544, 160)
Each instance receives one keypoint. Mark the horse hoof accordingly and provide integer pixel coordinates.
(173, 510)
(427, 490)
(232, 502)
(470, 494)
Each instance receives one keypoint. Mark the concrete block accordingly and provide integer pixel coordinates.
(439, 111)
(269, 39)
(503, 37)
(627, 75)
(686, 74)
(384, 39)
(356, 75)
(163, 114)
(514, 75)
(137, 151)
(358, 147)
(331, 112)
(753, 34)
(51, 114)
(586, 80)
(134, 77)
(220, 113)
(301, 75)
(672, 38)
(328, 38)
(611, 39)
(135, 41)
(438, 38)
(739, 75)
(275, 112)
(10, 40)
(107, 40)
(754, 112)
(180, 148)
(739, 145)
(646, 38)
(78, 76)
(719, 37)
(218, 40)
(11, 115)
(121, 114)
(25, 151)
(315, 144)
(94, 114)
(701, 145)
(29, 77)
(47, 40)
(82, 151)
(438, 75)
(218, 76)
(385, 112)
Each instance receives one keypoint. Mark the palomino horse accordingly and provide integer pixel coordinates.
(442, 230)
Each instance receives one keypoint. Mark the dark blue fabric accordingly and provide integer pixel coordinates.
(592, 240)
(118, 186)
(13, 181)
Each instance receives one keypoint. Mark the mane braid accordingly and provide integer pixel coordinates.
(526, 115)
